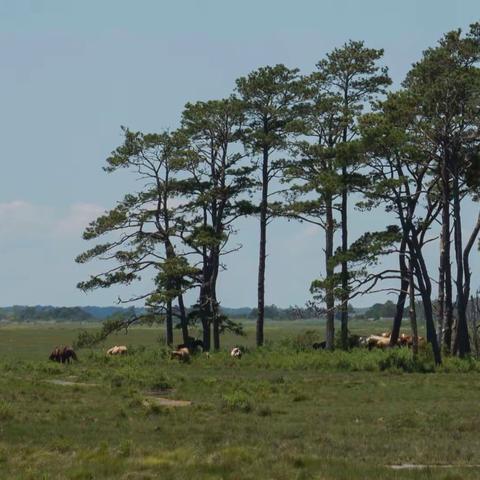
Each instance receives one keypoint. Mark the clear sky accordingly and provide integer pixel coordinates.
(72, 72)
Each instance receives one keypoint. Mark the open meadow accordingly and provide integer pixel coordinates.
(281, 412)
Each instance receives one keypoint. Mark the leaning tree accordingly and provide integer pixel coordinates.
(445, 84)
(141, 232)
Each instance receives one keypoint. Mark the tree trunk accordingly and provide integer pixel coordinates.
(205, 317)
(402, 296)
(329, 297)
(446, 261)
(425, 288)
(213, 297)
(413, 313)
(431, 333)
(421, 273)
(474, 309)
(345, 293)
(344, 219)
(206, 334)
(468, 276)
(204, 297)
(183, 317)
(215, 317)
(169, 324)
(216, 332)
(441, 291)
(462, 337)
(171, 283)
(262, 249)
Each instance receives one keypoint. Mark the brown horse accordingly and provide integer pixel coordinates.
(55, 356)
(63, 354)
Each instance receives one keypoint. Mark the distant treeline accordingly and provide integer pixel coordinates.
(21, 313)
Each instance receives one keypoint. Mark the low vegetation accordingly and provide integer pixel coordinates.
(284, 411)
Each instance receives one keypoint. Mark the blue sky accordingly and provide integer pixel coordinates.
(72, 72)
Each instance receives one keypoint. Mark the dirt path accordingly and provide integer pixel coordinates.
(166, 402)
(413, 466)
(69, 383)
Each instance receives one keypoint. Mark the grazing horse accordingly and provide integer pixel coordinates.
(192, 344)
(63, 354)
(377, 341)
(236, 352)
(117, 350)
(407, 340)
(56, 355)
(183, 354)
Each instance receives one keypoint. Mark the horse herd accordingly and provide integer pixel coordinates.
(65, 354)
(184, 350)
(381, 340)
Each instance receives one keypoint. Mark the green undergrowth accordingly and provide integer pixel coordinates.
(270, 357)
(284, 411)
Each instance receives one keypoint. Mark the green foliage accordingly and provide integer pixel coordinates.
(313, 133)
(303, 341)
(237, 401)
(403, 361)
(117, 322)
(366, 249)
(19, 313)
(381, 310)
(268, 95)
(6, 411)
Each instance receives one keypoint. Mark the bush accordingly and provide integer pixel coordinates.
(403, 360)
(301, 342)
(460, 365)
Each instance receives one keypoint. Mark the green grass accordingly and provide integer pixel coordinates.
(282, 412)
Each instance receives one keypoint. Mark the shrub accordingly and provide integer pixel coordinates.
(237, 401)
(125, 448)
(403, 360)
(301, 342)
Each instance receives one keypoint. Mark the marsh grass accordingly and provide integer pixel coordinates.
(280, 412)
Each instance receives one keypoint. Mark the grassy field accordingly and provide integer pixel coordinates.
(282, 412)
